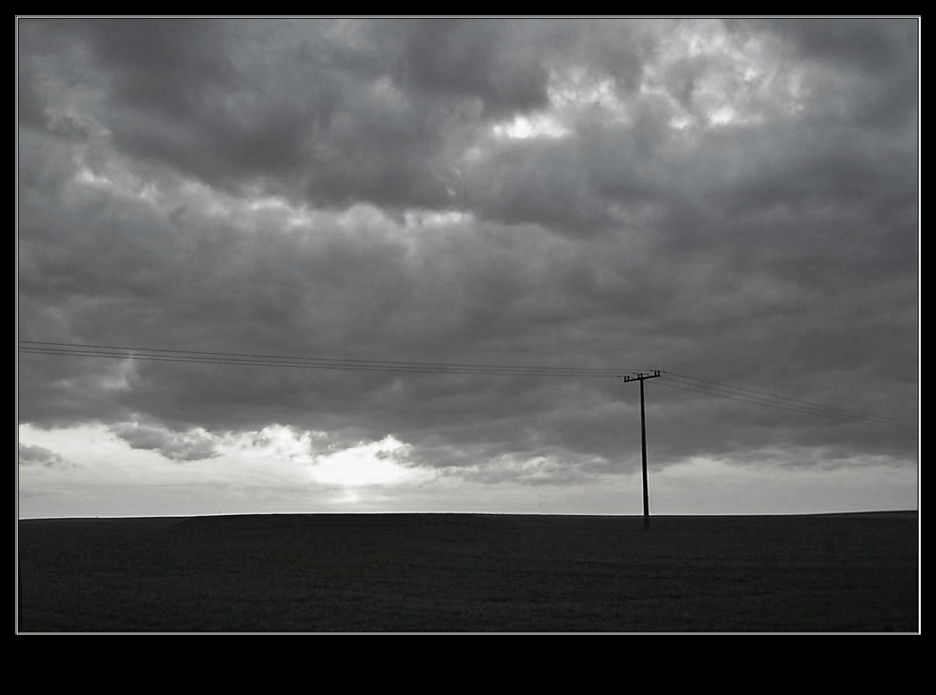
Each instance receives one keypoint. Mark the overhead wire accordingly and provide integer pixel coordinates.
(138, 353)
(669, 379)
(794, 401)
(779, 402)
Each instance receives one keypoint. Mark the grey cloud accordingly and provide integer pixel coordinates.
(870, 44)
(40, 456)
(381, 117)
(487, 58)
(165, 63)
(188, 446)
(456, 297)
(872, 65)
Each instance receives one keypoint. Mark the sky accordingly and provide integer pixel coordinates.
(463, 232)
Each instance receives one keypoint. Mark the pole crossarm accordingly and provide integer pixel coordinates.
(640, 376)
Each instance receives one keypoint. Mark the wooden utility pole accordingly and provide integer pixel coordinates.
(641, 377)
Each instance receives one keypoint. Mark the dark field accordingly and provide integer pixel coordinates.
(470, 572)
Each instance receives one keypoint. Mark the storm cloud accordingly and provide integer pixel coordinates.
(40, 456)
(734, 201)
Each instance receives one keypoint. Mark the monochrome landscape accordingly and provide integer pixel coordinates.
(292, 285)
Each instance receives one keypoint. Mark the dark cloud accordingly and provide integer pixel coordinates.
(161, 64)
(871, 45)
(335, 112)
(40, 456)
(869, 67)
(178, 446)
(489, 59)
(734, 201)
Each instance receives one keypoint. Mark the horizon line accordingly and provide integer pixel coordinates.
(462, 513)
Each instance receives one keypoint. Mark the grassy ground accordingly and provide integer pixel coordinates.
(463, 572)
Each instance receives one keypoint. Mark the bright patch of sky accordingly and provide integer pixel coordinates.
(93, 472)
(714, 78)
(262, 457)
(577, 87)
(113, 181)
(373, 463)
(533, 126)
(575, 92)
(286, 213)
(704, 485)
(707, 77)
(418, 218)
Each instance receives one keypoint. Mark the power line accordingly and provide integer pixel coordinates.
(793, 401)
(248, 359)
(805, 408)
(773, 400)
(670, 379)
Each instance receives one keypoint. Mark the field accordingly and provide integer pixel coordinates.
(470, 573)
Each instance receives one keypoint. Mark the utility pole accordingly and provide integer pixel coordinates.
(641, 377)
